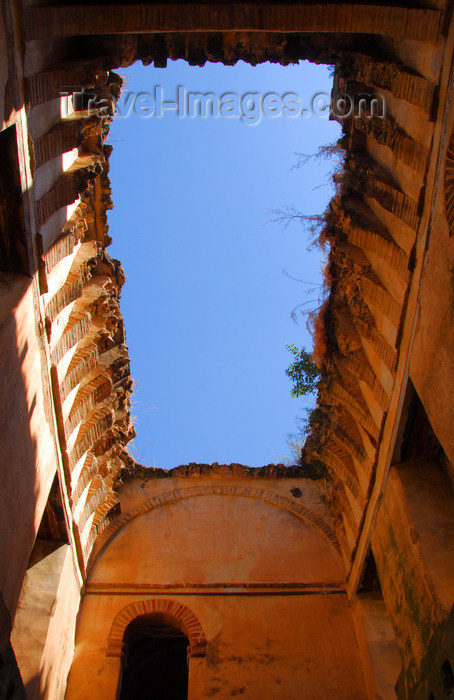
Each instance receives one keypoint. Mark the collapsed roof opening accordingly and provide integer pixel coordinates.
(209, 353)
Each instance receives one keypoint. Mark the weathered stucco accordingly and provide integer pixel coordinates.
(275, 565)
(219, 539)
(249, 653)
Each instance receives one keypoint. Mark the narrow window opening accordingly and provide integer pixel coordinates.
(155, 665)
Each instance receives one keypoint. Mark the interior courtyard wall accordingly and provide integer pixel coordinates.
(248, 653)
(257, 570)
(45, 436)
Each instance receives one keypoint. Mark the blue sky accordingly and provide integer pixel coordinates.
(206, 303)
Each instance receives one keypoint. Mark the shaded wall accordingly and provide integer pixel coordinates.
(413, 547)
(66, 323)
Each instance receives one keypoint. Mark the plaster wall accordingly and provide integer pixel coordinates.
(203, 529)
(28, 447)
(44, 627)
(425, 63)
(431, 365)
(274, 647)
(265, 584)
(432, 362)
(379, 652)
(150, 482)
(217, 539)
(412, 546)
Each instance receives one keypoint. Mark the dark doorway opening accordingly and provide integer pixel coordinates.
(155, 666)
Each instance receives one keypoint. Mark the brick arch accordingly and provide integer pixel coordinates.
(167, 612)
(297, 509)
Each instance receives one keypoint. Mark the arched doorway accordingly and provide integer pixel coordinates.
(155, 661)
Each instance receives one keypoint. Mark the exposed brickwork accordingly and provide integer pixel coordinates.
(340, 468)
(63, 297)
(397, 79)
(226, 471)
(384, 248)
(397, 203)
(63, 137)
(402, 23)
(84, 362)
(87, 399)
(50, 84)
(388, 133)
(77, 330)
(92, 434)
(62, 194)
(342, 434)
(88, 472)
(353, 406)
(164, 612)
(63, 247)
(92, 504)
(96, 529)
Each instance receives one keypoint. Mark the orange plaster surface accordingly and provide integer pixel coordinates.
(264, 584)
(259, 647)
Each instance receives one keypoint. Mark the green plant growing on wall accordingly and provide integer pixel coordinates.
(303, 372)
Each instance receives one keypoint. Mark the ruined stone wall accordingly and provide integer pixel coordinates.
(252, 558)
(375, 226)
(65, 387)
(387, 325)
(388, 316)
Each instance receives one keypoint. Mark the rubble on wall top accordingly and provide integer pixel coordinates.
(238, 471)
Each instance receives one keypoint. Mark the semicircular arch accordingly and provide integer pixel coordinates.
(167, 612)
(297, 509)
